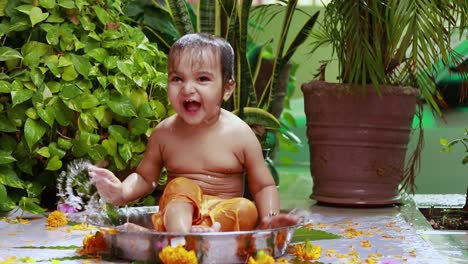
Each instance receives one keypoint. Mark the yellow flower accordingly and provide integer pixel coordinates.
(282, 261)
(14, 260)
(307, 251)
(365, 243)
(177, 255)
(56, 219)
(93, 244)
(262, 258)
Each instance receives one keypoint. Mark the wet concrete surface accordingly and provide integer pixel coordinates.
(395, 234)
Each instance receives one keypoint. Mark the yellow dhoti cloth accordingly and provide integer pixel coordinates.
(234, 214)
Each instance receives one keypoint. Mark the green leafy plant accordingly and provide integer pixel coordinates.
(392, 42)
(463, 141)
(447, 147)
(76, 81)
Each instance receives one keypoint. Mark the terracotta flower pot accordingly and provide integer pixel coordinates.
(357, 142)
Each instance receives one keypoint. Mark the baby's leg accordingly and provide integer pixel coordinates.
(131, 227)
(216, 227)
(178, 217)
(236, 214)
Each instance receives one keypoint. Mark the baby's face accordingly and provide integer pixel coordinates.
(195, 87)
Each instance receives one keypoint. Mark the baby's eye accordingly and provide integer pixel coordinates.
(204, 79)
(176, 79)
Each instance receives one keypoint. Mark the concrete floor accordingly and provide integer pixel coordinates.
(399, 234)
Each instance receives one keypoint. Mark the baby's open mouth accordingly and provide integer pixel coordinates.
(191, 105)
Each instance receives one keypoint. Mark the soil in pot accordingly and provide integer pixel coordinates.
(446, 218)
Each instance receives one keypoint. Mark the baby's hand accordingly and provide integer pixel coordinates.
(108, 185)
(281, 220)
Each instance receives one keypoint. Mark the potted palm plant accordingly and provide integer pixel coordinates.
(358, 129)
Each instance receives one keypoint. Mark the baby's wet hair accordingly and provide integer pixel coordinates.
(200, 42)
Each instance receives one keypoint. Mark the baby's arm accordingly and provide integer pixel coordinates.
(137, 184)
(261, 183)
(263, 188)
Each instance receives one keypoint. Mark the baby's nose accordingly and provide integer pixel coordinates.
(188, 88)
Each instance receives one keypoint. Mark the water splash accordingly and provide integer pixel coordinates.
(75, 188)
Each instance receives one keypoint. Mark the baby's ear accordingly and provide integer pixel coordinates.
(228, 89)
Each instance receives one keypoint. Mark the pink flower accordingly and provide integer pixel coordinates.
(66, 208)
(389, 261)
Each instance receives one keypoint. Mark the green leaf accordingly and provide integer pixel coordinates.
(88, 101)
(34, 51)
(138, 126)
(20, 96)
(69, 73)
(443, 142)
(34, 189)
(47, 115)
(99, 54)
(6, 204)
(36, 16)
(24, 8)
(86, 122)
(102, 115)
(112, 213)
(54, 164)
(259, 116)
(37, 77)
(3, 194)
(6, 125)
(303, 234)
(89, 138)
(69, 4)
(55, 150)
(110, 145)
(70, 91)
(102, 15)
(7, 53)
(125, 151)
(49, 4)
(9, 177)
(31, 205)
(120, 133)
(81, 64)
(97, 153)
(158, 108)
(122, 105)
(64, 143)
(44, 152)
(34, 131)
(126, 67)
(4, 87)
(5, 157)
(120, 83)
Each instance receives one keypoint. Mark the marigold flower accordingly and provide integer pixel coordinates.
(177, 255)
(307, 251)
(93, 244)
(353, 232)
(282, 261)
(366, 243)
(261, 258)
(56, 219)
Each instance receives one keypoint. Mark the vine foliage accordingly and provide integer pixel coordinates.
(76, 81)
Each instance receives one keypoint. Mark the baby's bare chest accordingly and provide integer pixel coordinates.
(203, 156)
